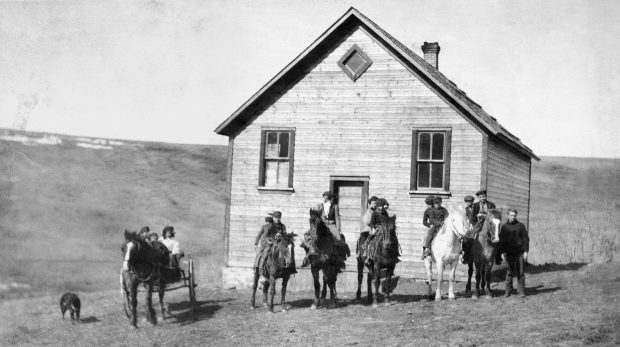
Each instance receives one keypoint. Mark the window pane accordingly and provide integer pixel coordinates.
(437, 175)
(354, 62)
(438, 146)
(283, 174)
(424, 146)
(271, 149)
(271, 173)
(284, 145)
(423, 175)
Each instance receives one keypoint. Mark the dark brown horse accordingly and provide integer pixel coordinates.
(142, 263)
(277, 265)
(483, 252)
(327, 260)
(383, 261)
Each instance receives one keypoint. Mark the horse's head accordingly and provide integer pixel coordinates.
(131, 245)
(284, 249)
(317, 224)
(457, 221)
(491, 225)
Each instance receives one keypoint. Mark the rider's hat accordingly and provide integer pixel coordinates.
(277, 214)
(429, 199)
(468, 198)
(381, 202)
(373, 198)
(437, 199)
(481, 192)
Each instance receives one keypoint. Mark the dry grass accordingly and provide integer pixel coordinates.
(574, 212)
(63, 209)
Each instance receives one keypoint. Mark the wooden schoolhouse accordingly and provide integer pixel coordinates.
(360, 114)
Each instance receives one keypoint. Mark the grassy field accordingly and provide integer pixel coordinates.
(63, 208)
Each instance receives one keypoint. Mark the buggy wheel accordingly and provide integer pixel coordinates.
(125, 297)
(191, 280)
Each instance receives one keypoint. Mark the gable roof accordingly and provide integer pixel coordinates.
(287, 76)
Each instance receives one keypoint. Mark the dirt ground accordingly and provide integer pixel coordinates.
(564, 307)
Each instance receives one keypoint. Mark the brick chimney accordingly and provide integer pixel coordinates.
(431, 53)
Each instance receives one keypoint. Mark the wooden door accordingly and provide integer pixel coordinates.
(352, 197)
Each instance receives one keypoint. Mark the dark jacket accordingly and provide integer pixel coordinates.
(268, 232)
(426, 219)
(477, 208)
(469, 211)
(513, 239)
(438, 215)
(332, 215)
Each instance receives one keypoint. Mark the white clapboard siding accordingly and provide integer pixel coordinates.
(508, 179)
(361, 128)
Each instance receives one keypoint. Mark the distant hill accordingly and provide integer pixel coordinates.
(64, 202)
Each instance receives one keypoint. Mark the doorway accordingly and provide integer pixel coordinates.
(352, 193)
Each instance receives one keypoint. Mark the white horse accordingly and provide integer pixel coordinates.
(446, 249)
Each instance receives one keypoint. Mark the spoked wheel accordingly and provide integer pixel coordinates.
(125, 297)
(192, 281)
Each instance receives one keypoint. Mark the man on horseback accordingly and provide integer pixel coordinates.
(467, 242)
(514, 245)
(437, 216)
(330, 215)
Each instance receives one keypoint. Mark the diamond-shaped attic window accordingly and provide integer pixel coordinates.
(354, 63)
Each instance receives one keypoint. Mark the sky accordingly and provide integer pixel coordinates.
(172, 71)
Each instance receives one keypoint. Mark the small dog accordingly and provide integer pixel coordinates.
(71, 302)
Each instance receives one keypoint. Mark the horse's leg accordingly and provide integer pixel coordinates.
(272, 290)
(133, 285)
(324, 290)
(440, 267)
(149, 304)
(376, 277)
(388, 284)
(254, 287)
(483, 277)
(317, 287)
(266, 286)
(283, 301)
(478, 279)
(332, 287)
(487, 276)
(470, 271)
(428, 264)
(360, 277)
(161, 300)
(451, 280)
(369, 278)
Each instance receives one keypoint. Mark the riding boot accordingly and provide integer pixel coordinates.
(521, 286)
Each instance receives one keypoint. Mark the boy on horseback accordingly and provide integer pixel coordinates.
(437, 215)
(366, 228)
(265, 238)
(480, 209)
(376, 219)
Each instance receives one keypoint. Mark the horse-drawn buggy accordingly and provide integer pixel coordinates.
(150, 266)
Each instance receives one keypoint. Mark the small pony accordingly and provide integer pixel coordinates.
(70, 302)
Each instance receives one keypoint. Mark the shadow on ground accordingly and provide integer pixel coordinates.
(185, 313)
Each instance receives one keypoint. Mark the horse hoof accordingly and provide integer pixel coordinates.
(437, 297)
(451, 298)
(475, 296)
(375, 305)
(313, 307)
(387, 304)
(252, 307)
(488, 296)
(265, 305)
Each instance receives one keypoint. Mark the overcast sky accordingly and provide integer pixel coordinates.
(549, 71)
